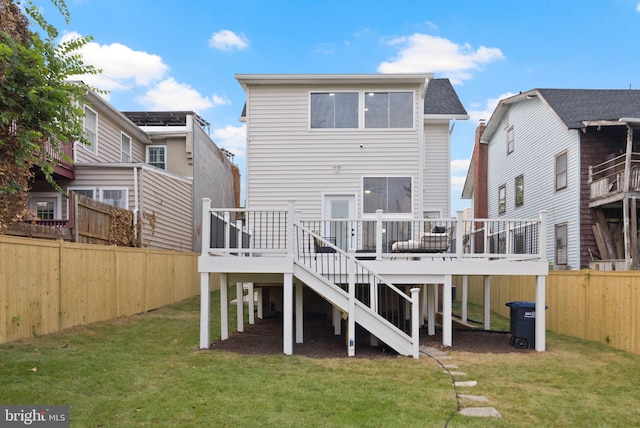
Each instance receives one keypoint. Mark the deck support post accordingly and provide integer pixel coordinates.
(447, 327)
(259, 295)
(240, 306)
(287, 319)
(224, 307)
(351, 327)
(415, 321)
(299, 313)
(465, 297)
(486, 302)
(541, 314)
(205, 310)
(423, 303)
(336, 320)
(431, 309)
(251, 304)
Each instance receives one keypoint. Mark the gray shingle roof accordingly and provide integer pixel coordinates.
(441, 98)
(574, 106)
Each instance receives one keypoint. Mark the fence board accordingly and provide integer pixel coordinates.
(47, 286)
(593, 305)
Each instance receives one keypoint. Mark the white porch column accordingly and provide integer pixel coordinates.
(251, 306)
(465, 296)
(541, 314)
(224, 307)
(431, 309)
(299, 313)
(205, 310)
(240, 306)
(447, 325)
(415, 321)
(487, 303)
(287, 320)
(336, 319)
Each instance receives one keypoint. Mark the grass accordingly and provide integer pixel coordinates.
(146, 370)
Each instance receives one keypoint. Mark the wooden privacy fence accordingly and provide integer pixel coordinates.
(47, 286)
(592, 305)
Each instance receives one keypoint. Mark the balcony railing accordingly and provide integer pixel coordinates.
(256, 232)
(610, 177)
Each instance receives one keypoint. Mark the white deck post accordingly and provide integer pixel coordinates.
(291, 214)
(431, 309)
(240, 307)
(206, 226)
(259, 294)
(465, 296)
(336, 320)
(224, 307)
(351, 327)
(415, 321)
(205, 310)
(541, 314)
(288, 314)
(459, 235)
(446, 312)
(486, 302)
(299, 313)
(251, 304)
(543, 235)
(378, 234)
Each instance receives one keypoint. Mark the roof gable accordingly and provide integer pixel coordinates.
(441, 98)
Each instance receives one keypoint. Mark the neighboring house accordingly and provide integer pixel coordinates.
(155, 176)
(343, 146)
(574, 153)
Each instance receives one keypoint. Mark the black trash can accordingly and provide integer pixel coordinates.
(523, 324)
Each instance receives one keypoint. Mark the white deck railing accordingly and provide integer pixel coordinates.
(246, 232)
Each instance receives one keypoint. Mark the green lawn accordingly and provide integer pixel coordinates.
(146, 370)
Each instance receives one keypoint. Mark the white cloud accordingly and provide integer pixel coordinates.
(460, 165)
(457, 182)
(220, 100)
(121, 66)
(171, 95)
(490, 106)
(232, 138)
(227, 40)
(638, 7)
(426, 53)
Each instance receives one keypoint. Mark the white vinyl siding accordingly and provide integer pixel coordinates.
(437, 171)
(541, 136)
(287, 159)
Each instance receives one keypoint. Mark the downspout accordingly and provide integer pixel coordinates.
(421, 155)
(136, 201)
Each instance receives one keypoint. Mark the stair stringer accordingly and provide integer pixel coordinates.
(364, 316)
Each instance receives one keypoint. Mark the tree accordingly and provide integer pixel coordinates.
(38, 101)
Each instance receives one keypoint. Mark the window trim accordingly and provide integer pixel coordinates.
(164, 146)
(521, 201)
(57, 208)
(122, 152)
(566, 170)
(126, 195)
(510, 139)
(93, 147)
(362, 93)
(502, 199)
(385, 213)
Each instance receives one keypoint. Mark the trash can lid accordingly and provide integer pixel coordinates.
(524, 305)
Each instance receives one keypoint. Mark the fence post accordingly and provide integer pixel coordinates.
(206, 226)
(543, 235)
(378, 234)
(415, 321)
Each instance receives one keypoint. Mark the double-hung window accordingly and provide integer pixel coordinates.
(502, 199)
(156, 156)
(519, 190)
(125, 148)
(115, 197)
(334, 110)
(90, 127)
(561, 171)
(388, 110)
(510, 139)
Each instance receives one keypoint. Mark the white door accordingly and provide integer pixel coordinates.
(342, 208)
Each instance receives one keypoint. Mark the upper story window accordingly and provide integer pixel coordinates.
(334, 110)
(510, 139)
(561, 171)
(519, 190)
(156, 156)
(390, 194)
(125, 148)
(115, 197)
(388, 110)
(502, 199)
(90, 126)
(357, 110)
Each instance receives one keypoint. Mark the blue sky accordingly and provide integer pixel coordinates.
(183, 55)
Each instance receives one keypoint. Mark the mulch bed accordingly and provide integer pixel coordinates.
(265, 337)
